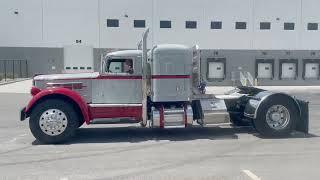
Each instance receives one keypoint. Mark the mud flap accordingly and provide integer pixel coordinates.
(23, 114)
(303, 124)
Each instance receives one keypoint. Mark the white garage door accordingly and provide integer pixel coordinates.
(79, 57)
(311, 70)
(265, 70)
(289, 70)
(216, 70)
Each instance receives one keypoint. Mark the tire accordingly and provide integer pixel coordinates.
(265, 125)
(57, 114)
(80, 122)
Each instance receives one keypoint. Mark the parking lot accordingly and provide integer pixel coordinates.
(118, 152)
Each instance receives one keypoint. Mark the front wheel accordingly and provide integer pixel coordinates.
(276, 117)
(53, 121)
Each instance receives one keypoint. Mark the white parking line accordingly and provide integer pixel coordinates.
(251, 175)
(64, 178)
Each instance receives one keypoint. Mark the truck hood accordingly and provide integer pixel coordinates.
(66, 76)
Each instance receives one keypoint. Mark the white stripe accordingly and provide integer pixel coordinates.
(114, 105)
(251, 175)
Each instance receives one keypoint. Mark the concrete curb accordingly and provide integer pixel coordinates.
(10, 82)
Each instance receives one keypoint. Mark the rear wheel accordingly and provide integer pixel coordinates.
(276, 117)
(53, 121)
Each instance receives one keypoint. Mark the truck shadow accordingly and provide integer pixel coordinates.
(136, 134)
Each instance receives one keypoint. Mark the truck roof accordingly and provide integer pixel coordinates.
(172, 47)
(126, 53)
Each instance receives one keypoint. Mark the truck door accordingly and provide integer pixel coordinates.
(120, 84)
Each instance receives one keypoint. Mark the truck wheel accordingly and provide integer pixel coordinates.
(53, 121)
(276, 117)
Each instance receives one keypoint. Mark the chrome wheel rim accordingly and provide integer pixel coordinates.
(278, 117)
(53, 122)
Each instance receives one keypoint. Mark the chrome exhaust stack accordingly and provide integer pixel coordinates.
(143, 45)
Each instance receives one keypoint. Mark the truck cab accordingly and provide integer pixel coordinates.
(120, 79)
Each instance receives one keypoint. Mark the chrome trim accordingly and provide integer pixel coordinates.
(62, 83)
(114, 105)
(155, 118)
(189, 115)
(278, 117)
(124, 120)
(53, 122)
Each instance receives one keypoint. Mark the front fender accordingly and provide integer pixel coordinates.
(255, 102)
(74, 96)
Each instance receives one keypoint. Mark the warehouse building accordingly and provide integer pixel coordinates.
(276, 41)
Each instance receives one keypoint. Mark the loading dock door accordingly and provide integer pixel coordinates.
(289, 70)
(311, 70)
(216, 70)
(265, 70)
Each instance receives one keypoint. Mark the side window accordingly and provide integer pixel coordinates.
(241, 25)
(139, 23)
(265, 25)
(312, 26)
(165, 24)
(112, 22)
(120, 66)
(191, 24)
(288, 26)
(216, 25)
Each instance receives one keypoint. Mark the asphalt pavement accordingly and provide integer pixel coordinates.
(131, 152)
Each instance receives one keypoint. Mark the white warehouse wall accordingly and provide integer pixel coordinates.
(277, 12)
(58, 23)
(24, 28)
(65, 21)
(125, 36)
(229, 12)
(310, 13)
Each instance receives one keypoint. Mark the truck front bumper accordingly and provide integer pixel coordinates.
(23, 114)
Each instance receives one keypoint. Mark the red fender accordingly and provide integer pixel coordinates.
(65, 92)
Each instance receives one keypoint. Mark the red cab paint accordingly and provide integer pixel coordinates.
(134, 112)
(34, 90)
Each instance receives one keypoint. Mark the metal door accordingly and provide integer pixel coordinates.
(265, 70)
(311, 70)
(216, 70)
(289, 70)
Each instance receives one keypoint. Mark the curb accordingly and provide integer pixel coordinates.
(10, 82)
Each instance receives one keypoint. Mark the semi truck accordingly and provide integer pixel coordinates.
(159, 87)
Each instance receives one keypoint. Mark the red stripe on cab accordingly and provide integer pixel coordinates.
(170, 76)
(118, 77)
